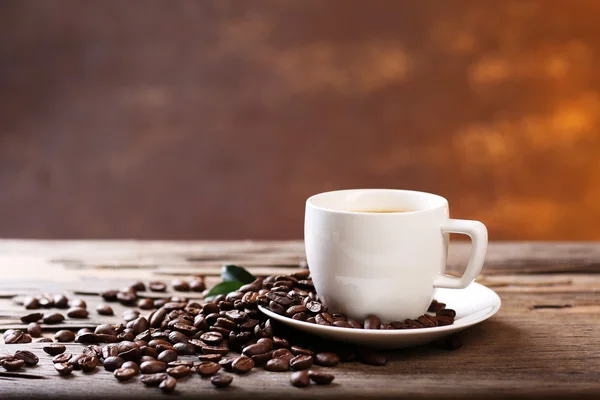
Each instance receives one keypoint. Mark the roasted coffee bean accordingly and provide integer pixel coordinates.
(54, 318)
(104, 309)
(153, 367)
(167, 356)
(113, 363)
(168, 385)
(312, 320)
(321, 320)
(180, 285)
(105, 329)
(237, 316)
(300, 379)
(226, 362)
(179, 372)
(54, 349)
(178, 337)
(33, 317)
(127, 298)
(277, 365)
(131, 365)
(31, 303)
(224, 332)
(185, 329)
(28, 357)
(64, 336)
(157, 286)
(443, 320)
(342, 324)
(242, 364)
(145, 304)
(277, 308)
(300, 316)
(436, 306)
(158, 317)
(295, 310)
(158, 303)
(87, 363)
(184, 349)
(62, 358)
(447, 312)
(320, 377)
(77, 312)
(12, 336)
(221, 380)
(83, 331)
(215, 350)
(197, 285)
(153, 379)
(254, 349)
(427, 321)
(211, 338)
(279, 343)
(297, 350)
(372, 358)
(226, 323)
(12, 364)
(138, 286)
(63, 369)
(143, 359)
(354, 323)
(34, 329)
(110, 295)
(43, 340)
(261, 359)
(327, 359)
(314, 306)
(301, 362)
(86, 338)
(372, 322)
(186, 363)
(283, 354)
(124, 374)
(46, 300)
(93, 350)
(78, 303)
(207, 368)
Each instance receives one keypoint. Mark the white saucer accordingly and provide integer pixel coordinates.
(474, 304)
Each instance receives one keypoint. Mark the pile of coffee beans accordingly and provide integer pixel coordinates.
(227, 335)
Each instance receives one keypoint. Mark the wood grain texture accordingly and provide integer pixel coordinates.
(530, 349)
(215, 119)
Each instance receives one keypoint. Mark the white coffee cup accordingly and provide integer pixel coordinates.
(387, 264)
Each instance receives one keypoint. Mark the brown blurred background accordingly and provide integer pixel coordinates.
(216, 119)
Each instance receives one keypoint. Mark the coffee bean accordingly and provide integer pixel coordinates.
(87, 363)
(104, 309)
(158, 303)
(178, 337)
(327, 359)
(46, 300)
(237, 316)
(179, 372)
(226, 323)
(34, 329)
(54, 349)
(145, 304)
(93, 350)
(314, 306)
(211, 338)
(184, 349)
(78, 303)
(31, 303)
(242, 364)
(221, 380)
(300, 379)
(131, 365)
(110, 295)
(254, 349)
(127, 298)
(342, 324)
(180, 285)
(63, 369)
(261, 359)
(77, 312)
(54, 318)
(295, 310)
(61, 301)
(372, 322)
(436, 306)
(283, 354)
(33, 317)
(153, 379)
(321, 320)
(64, 336)
(207, 368)
(267, 342)
(62, 358)
(215, 350)
(158, 317)
(301, 362)
(197, 285)
(277, 365)
(446, 313)
(297, 350)
(320, 377)
(138, 286)
(157, 286)
(312, 320)
(86, 338)
(167, 356)
(12, 336)
(12, 364)
(153, 367)
(28, 357)
(124, 374)
(113, 363)
(354, 324)
(226, 362)
(372, 358)
(300, 316)
(168, 385)
(277, 308)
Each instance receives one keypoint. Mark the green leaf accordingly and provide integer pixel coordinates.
(225, 287)
(235, 273)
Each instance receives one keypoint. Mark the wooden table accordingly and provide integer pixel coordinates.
(545, 341)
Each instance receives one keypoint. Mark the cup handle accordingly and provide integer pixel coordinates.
(479, 238)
